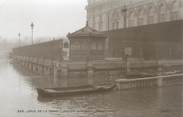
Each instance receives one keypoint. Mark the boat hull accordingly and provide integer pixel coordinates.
(55, 92)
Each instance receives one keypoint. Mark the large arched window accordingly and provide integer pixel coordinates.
(100, 23)
(174, 10)
(162, 12)
(115, 20)
(94, 22)
(140, 20)
(175, 5)
(131, 19)
(151, 15)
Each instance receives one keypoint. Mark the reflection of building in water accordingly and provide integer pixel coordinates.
(106, 15)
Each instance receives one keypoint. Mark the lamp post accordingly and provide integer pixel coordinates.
(124, 10)
(19, 35)
(32, 32)
(128, 53)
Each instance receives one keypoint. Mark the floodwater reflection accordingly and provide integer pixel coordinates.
(18, 92)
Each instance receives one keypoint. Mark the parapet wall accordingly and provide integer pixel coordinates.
(162, 41)
(70, 73)
(47, 50)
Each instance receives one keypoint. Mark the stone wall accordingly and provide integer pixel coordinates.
(151, 42)
(72, 74)
(46, 50)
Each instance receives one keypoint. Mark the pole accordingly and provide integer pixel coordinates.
(19, 35)
(32, 32)
(125, 15)
(128, 53)
(126, 65)
(108, 22)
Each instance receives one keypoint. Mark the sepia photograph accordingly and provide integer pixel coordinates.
(91, 58)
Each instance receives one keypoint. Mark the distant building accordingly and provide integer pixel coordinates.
(104, 15)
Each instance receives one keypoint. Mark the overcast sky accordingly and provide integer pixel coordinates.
(52, 18)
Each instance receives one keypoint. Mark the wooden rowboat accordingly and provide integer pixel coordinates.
(55, 92)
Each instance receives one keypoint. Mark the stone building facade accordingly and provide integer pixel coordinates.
(87, 44)
(104, 15)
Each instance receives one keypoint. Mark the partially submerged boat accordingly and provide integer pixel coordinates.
(55, 92)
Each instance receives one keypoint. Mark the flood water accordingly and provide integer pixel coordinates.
(18, 98)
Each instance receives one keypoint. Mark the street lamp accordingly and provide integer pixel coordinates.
(124, 10)
(19, 35)
(127, 53)
(32, 30)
